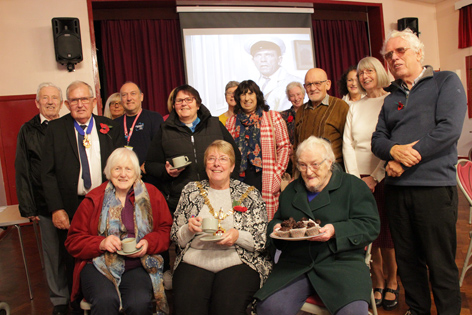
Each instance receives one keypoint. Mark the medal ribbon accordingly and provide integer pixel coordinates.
(128, 137)
(81, 131)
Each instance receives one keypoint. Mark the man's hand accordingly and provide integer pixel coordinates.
(34, 218)
(174, 172)
(405, 154)
(394, 169)
(371, 183)
(60, 219)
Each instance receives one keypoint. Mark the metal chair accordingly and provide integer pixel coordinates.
(464, 180)
(314, 305)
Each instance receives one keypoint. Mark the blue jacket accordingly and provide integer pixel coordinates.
(433, 113)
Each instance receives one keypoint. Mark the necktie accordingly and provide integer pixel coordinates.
(84, 160)
(267, 79)
(44, 124)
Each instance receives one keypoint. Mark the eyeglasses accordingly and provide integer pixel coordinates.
(229, 94)
(316, 83)
(366, 72)
(313, 166)
(223, 159)
(400, 51)
(83, 100)
(187, 100)
(117, 104)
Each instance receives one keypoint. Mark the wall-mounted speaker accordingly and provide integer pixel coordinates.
(67, 41)
(409, 22)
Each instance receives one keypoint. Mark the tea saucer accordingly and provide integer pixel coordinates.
(122, 253)
(211, 238)
(181, 166)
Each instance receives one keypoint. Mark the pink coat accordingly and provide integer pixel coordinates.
(272, 168)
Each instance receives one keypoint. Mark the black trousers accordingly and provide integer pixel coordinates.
(201, 292)
(135, 288)
(423, 226)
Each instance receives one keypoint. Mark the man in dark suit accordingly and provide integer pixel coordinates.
(30, 190)
(75, 152)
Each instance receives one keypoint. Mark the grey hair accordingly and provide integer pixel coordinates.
(293, 84)
(75, 85)
(47, 84)
(115, 97)
(408, 35)
(231, 84)
(119, 155)
(373, 63)
(312, 143)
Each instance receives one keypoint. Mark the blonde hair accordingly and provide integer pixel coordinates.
(223, 147)
(373, 63)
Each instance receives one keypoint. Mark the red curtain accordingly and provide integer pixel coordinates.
(465, 27)
(147, 52)
(338, 45)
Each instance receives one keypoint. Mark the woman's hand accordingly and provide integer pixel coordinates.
(194, 225)
(229, 238)
(143, 244)
(111, 243)
(174, 172)
(328, 231)
(277, 226)
(371, 183)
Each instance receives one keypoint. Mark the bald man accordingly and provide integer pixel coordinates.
(323, 115)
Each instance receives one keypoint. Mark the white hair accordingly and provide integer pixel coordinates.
(410, 37)
(47, 84)
(119, 155)
(313, 144)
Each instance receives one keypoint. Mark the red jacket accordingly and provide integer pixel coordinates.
(83, 241)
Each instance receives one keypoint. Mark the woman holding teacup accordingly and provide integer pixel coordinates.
(218, 273)
(187, 132)
(108, 274)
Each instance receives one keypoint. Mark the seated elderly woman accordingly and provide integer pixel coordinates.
(330, 264)
(216, 274)
(122, 207)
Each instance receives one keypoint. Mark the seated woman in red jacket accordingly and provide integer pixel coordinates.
(122, 207)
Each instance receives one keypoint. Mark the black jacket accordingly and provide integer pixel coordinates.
(28, 168)
(175, 139)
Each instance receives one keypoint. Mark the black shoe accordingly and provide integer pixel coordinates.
(389, 305)
(60, 309)
(378, 302)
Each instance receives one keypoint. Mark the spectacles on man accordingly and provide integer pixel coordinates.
(302, 167)
(223, 159)
(187, 100)
(316, 83)
(400, 51)
(83, 100)
(366, 72)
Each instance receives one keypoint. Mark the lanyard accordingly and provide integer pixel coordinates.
(128, 136)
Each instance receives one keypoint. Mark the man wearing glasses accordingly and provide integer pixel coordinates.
(75, 151)
(323, 116)
(417, 133)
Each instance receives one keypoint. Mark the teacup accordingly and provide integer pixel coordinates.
(128, 245)
(210, 225)
(180, 161)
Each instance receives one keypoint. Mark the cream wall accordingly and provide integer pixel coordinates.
(27, 53)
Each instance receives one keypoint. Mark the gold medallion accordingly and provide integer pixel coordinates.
(86, 142)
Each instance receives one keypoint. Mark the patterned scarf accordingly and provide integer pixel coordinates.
(112, 265)
(248, 139)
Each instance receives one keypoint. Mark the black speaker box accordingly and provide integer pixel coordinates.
(409, 22)
(67, 42)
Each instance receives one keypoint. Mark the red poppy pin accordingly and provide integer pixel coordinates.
(290, 118)
(400, 106)
(105, 128)
(237, 207)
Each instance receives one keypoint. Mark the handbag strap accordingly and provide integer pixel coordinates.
(273, 133)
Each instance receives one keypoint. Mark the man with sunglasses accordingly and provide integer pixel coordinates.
(417, 133)
(75, 151)
(323, 115)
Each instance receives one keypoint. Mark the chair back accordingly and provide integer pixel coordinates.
(464, 178)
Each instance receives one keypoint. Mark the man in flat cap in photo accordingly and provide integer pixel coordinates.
(267, 56)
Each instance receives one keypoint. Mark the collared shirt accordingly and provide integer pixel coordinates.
(193, 125)
(94, 159)
(43, 119)
(324, 101)
(405, 86)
